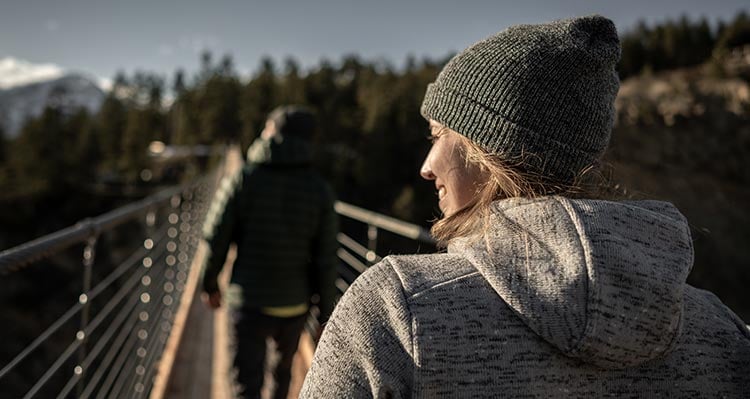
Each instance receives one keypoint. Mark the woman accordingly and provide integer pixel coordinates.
(539, 294)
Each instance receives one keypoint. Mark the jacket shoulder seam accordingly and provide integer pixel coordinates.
(440, 284)
(435, 284)
(395, 261)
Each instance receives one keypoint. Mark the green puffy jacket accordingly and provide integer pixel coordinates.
(279, 212)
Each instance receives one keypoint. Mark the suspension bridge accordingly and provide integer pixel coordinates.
(141, 330)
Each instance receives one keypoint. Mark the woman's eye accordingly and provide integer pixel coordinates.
(431, 138)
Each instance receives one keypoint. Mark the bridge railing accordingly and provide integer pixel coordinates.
(132, 326)
(358, 257)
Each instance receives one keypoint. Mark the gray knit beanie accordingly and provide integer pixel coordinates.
(540, 96)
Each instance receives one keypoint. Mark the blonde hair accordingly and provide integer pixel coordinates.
(505, 179)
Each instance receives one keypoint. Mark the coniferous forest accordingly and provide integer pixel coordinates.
(682, 134)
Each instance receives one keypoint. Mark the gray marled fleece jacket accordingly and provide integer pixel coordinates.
(563, 298)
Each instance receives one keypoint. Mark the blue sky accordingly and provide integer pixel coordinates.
(100, 37)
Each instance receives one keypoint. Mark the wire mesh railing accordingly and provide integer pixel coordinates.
(117, 344)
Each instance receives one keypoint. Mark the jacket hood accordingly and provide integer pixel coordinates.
(602, 281)
(280, 151)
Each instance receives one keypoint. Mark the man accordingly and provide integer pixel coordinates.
(279, 212)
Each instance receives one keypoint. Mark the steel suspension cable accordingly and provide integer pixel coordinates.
(121, 357)
(100, 344)
(120, 318)
(79, 337)
(126, 371)
(113, 350)
(115, 373)
(152, 339)
(46, 334)
(157, 345)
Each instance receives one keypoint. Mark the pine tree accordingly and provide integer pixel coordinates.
(110, 124)
(218, 99)
(83, 150)
(292, 87)
(185, 119)
(178, 87)
(135, 140)
(258, 98)
(736, 33)
(37, 157)
(703, 43)
(3, 146)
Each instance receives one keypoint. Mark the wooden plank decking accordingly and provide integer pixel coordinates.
(202, 366)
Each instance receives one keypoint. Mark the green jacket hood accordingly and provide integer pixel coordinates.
(280, 150)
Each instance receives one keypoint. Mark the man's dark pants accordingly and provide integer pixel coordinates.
(252, 328)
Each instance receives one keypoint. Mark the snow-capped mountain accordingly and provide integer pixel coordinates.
(26, 89)
(17, 72)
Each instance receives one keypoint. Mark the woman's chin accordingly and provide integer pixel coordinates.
(446, 211)
(443, 208)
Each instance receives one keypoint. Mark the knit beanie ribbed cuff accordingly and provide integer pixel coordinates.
(540, 97)
(517, 145)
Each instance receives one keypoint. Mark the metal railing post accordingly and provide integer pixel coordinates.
(372, 243)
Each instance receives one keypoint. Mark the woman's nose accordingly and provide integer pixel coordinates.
(426, 170)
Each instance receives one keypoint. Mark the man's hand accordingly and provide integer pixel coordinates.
(213, 300)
